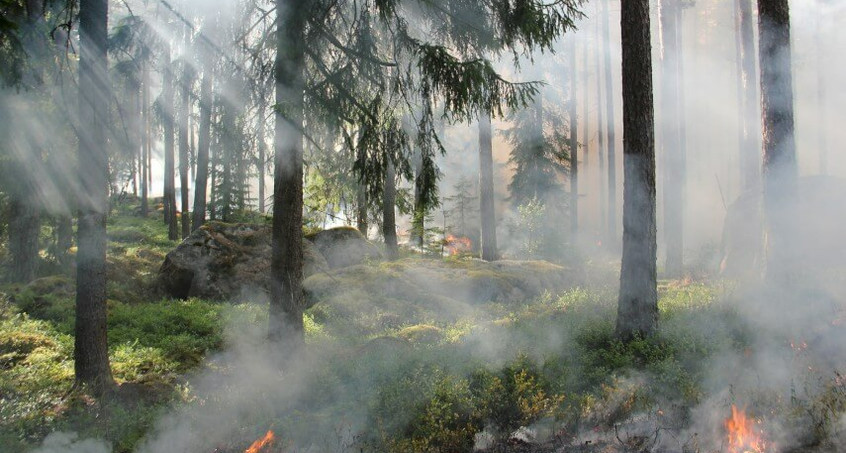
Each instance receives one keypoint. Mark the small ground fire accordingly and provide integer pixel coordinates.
(259, 445)
(744, 434)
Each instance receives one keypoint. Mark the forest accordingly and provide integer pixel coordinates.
(306, 226)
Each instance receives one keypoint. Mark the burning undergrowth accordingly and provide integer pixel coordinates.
(544, 374)
(549, 376)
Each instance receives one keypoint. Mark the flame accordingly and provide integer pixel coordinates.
(455, 245)
(743, 435)
(259, 445)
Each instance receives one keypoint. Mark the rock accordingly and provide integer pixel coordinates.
(41, 293)
(345, 246)
(421, 333)
(435, 289)
(223, 261)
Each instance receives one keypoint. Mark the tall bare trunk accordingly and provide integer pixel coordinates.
(286, 265)
(779, 146)
(262, 156)
(822, 133)
(184, 112)
(145, 136)
(204, 141)
(750, 160)
(585, 110)
(574, 145)
(637, 312)
(389, 201)
(671, 137)
(487, 210)
(610, 128)
(601, 126)
(169, 172)
(91, 354)
(24, 228)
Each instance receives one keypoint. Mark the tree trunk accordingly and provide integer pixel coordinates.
(361, 205)
(201, 183)
(24, 228)
(185, 111)
(145, 136)
(779, 147)
(487, 210)
(750, 160)
(134, 132)
(637, 312)
(286, 266)
(227, 151)
(601, 151)
(574, 146)
(389, 223)
(585, 104)
(610, 129)
(64, 238)
(91, 354)
(418, 220)
(671, 138)
(262, 156)
(822, 111)
(169, 184)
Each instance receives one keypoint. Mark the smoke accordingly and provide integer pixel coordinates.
(60, 442)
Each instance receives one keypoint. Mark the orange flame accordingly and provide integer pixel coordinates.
(259, 445)
(456, 245)
(743, 435)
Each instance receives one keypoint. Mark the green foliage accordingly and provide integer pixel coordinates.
(517, 395)
(182, 330)
(540, 153)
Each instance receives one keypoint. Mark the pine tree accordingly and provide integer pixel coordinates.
(779, 146)
(91, 355)
(286, 265)
(637, 312)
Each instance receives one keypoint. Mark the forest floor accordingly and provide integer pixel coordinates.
(545, 374)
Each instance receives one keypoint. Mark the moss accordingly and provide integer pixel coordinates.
(421, 333)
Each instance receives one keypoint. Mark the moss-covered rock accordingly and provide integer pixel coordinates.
(344, 246)
(370, 299)
(224, 261)
(421, 333)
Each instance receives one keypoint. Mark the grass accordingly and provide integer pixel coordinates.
(391, 372)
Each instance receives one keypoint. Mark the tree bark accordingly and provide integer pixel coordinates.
(185, 111)
(779, 147)
(91, 354)
(487, 210)
(637, 312)
(822, 111)
(64, 238)
(24, 228)
(286, 265)
(204, 141)
(361, 209)
(145, 136)
(671, 138)
(418, 220)
(169, 183)
(262, 155)
(610, 128)
(389, 223)
(601, 151)
(574, 146)
(750, 160)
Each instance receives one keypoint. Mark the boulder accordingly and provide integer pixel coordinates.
(224, 261)
(419, 286)
(344, 246)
